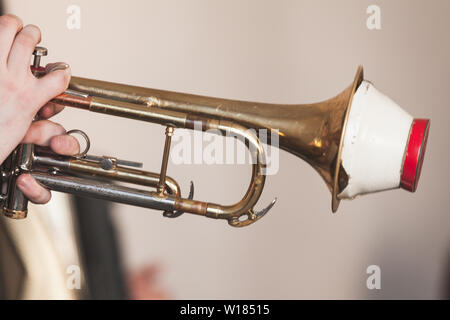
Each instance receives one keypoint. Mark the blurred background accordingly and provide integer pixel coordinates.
(281, 52)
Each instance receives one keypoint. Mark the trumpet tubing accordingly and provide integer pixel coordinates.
(327, 135)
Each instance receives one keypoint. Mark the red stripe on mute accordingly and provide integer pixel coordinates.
(415, 152)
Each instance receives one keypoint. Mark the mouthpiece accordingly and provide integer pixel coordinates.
(383, 147)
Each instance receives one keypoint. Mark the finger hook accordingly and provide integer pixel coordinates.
(252, 216)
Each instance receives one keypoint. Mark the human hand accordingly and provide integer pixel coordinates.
(22, 96)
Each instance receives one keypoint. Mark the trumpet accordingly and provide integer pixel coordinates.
(359, 142)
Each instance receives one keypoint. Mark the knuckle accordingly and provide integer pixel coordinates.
(25, 39)
(61, 81)
(59, 128)
(65, 78)
(33, 30)
(16, 91)
(29, 36)
(10, 87)
(35, 133)
(40, 131)
(65, 81)
(10, 21)
(49, 127)
(39, 126)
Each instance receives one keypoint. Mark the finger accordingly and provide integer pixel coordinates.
(22, 48)
(65, 145)
(42, 131)
(49, 110)
(33, 190)
(9, 26)
(51, 85)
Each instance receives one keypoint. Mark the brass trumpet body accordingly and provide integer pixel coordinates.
(313, 132)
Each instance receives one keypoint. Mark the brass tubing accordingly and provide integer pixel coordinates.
(257, 180)
(122, 174)
(116, 91)
(100, 190)
(73, 101)
(165, 160)
(246, 204)
(123, 109)
(137, 112)
(314, 132)
(183, 120)
(311, 131)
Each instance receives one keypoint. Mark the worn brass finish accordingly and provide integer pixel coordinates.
(117, 173)
(313, 132)
(165, 161)
(15, 214)
(231, 213)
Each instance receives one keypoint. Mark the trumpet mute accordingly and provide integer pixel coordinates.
(383, 146)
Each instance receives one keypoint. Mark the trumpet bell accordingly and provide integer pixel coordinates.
(316, 132)
(360, 141)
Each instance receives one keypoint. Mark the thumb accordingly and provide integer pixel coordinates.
(53, 83)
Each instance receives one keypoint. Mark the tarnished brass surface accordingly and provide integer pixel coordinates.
(313, 132)
(20, 160)
(340, 181)
(165, 161)
(182, 120)
(117, 173)
(124, 174)
(15, 214)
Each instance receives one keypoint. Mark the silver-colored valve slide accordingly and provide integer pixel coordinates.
(105, 191)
